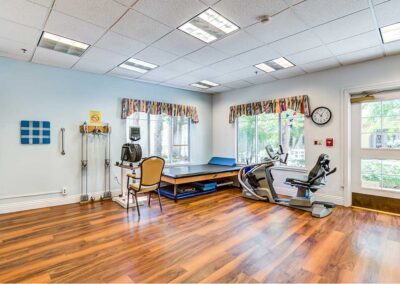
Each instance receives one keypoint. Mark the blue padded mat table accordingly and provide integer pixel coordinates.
(197, 170)
(195, 173)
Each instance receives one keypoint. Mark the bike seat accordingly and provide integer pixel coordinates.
(300, 180)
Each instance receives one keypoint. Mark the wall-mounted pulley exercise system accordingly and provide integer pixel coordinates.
(95, 131)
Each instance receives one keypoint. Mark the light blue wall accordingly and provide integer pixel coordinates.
(65, 97)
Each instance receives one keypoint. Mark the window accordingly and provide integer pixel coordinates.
(380, 124)
(380, 174)
(256, 132)
(162, 135)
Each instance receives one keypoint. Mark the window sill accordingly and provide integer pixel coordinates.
(372, 189)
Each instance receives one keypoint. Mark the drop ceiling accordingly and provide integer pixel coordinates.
(312, 34)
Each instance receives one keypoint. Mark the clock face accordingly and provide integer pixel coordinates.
(321, 115)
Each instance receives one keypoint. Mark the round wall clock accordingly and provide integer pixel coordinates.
(321, 115)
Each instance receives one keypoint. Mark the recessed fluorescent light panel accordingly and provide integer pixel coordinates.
(204, 84)
(390, 33)
(274, 65)
(138, 65)
(62, 44)
(208, 26)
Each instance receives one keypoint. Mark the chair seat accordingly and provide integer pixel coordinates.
(144, 188)
(297, 179)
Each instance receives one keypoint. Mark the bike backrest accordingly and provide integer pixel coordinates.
(320, 169)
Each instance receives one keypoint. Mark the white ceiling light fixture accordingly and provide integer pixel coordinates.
(274, 65)
(204, 84)
(138, 65)
(62, 44)
(390, 33)
(208, 26)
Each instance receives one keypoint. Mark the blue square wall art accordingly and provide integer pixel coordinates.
(35, 132)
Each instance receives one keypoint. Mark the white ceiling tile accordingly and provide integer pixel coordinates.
(20, 33)
(310, 55)
(207, 55)
(125, 73)
(228, 65)
(172, 12)
(236, 43)
(355, 43)
(183, 87)
(127, 3)
(320, 65)
(392, 48)
(293, 2)
(258, 55)
(345, 27)
(287, 73)
(98, 60)
(46, 3)
(24, 12)
(245, 73)
(280, 26)
(205, 73)
(317, 12)
(361, 55)
(179, 43)
(140, 27)
(182, 66)
(220, 89)
(159, 74)
(54, 58)
(103, 13)
(10, 48)
(209, 2)
(155, 56)
(147, 81)
(261, 79)
(120, 44)
(245, 13)
(296, 43)
(238, 84)
(376, 2)
(73, 28)
(388, 13)
(184, 80)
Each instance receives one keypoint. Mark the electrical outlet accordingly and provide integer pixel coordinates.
(64, 190)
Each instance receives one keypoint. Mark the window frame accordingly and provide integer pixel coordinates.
(257, 146)
(171, 138)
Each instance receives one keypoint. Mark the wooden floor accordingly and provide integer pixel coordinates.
(215, 238)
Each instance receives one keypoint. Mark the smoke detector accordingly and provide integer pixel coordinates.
(263, 18)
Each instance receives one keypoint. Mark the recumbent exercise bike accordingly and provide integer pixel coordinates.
(257, 182)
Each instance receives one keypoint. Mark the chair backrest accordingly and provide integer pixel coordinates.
(322, 166)
(151, 170)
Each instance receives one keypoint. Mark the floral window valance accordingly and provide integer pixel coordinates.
(299, 104)
(130, 106)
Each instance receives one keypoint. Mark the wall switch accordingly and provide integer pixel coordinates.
(64, 190)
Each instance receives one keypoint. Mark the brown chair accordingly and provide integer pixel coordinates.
(150, 178)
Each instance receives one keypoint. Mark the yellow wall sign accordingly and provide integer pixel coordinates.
(95, 117)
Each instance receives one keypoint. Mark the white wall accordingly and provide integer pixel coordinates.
(65, 98)
(324, 89)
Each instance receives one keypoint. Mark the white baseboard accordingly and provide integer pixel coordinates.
(339, 200)
(45, 202)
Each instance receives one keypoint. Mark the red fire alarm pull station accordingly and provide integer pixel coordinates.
(329, 142)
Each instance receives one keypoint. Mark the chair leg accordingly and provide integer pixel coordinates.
(149, 198)
(137, 204)
(159, 199)
(127, 202)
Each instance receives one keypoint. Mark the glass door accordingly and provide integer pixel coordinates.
(375, 149)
